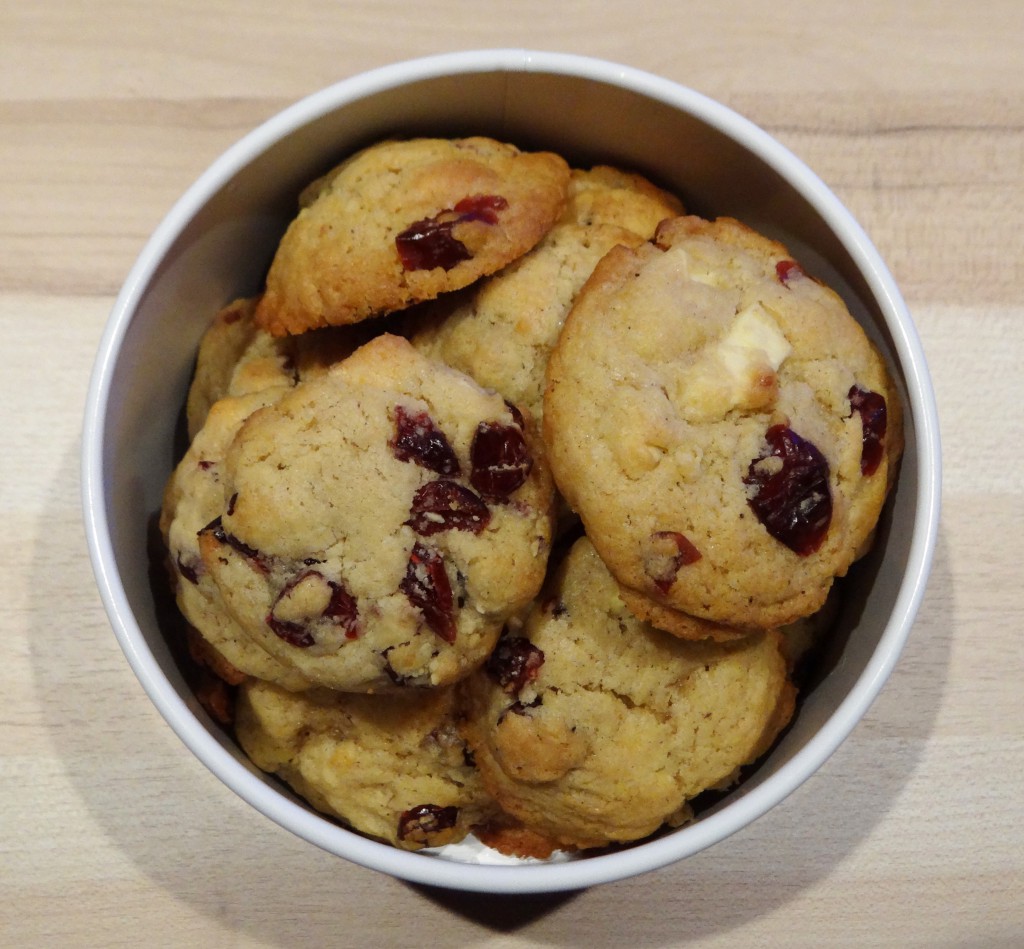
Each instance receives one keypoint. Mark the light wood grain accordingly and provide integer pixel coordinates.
(112, 834)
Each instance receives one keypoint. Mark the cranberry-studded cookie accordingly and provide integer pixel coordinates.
(404, 221)
(723, 426)
(502, 329)
(390, 766)
(380, 522)
(194, 497)
(592, 727)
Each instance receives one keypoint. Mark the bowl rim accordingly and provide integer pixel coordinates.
(530, 877)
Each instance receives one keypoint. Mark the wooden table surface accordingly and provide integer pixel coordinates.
(112, 834)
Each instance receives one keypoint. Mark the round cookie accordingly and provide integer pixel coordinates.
(193, 497)
(393, 767)
(404, 221)
(591, 727)
(502, 330)
(723, 426)
(380, 522)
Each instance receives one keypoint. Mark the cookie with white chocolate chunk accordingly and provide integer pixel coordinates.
(723, 426)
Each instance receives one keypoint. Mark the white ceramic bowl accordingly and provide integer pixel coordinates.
(216, 243)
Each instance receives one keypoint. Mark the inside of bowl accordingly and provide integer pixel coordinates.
(217, 244)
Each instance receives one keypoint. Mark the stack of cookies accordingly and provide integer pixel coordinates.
(514, 499)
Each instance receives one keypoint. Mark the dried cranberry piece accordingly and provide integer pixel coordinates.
(500, 460)
(430, 243)
(295, 634)
(665, 554)
(787, 270)
(792, 500)
(481, 207)
(446, 505)
(514, 662)
(419, 440)
(873, 419)
(418, 823)
(216, 528)
(428, 588)
(342, 610)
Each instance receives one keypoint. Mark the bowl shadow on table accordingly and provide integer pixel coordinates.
(720, 889)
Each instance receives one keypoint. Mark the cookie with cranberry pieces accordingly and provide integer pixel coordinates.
(723, 426)
(393, 767)
(380, 522)
(404, 221)
(592, 727)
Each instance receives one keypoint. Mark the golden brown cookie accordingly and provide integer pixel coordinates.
(591, 727)
(380, 522)
(391, 766)
(404, 221)
(723, 426)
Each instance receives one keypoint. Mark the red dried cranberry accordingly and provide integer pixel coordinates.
(481, 207)
(514, 662)
(666, 553)
(792, 500)
(428, 588)
(342, 610)
(419, 440)
(418, 823)
(873, 419)
(500, 460)
(446, 505)
(787, 270)
(295, 634)
(430, 243)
